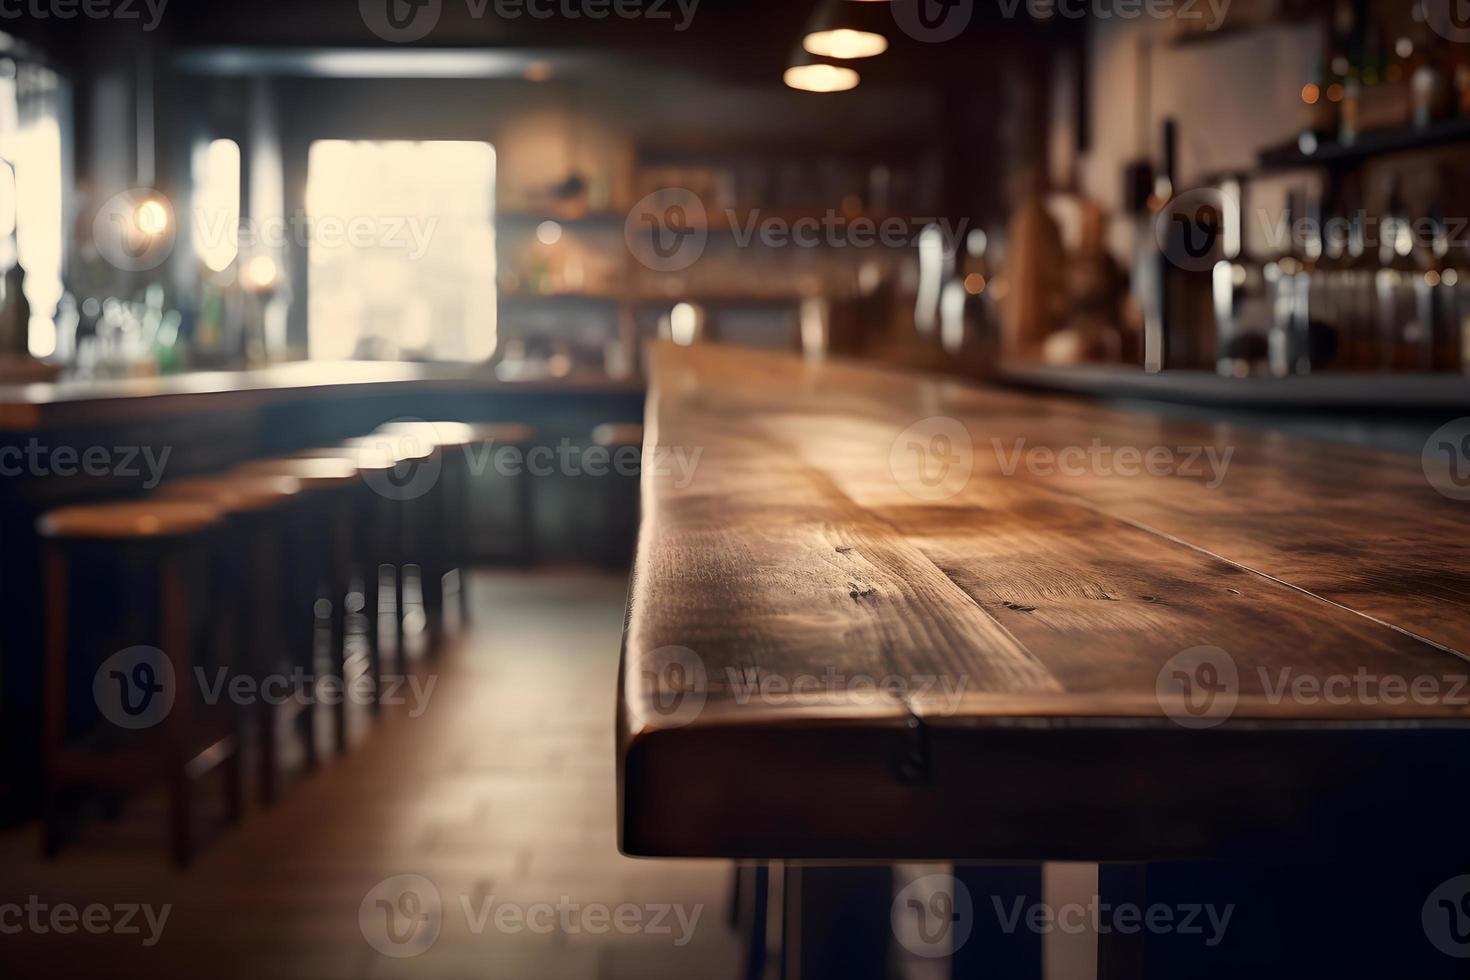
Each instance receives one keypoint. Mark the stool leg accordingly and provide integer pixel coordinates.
(298, 628)
(305, 720)
(400, 607)
(324, 656)
(176, 635)
(374, 601)
(227, 639)
(340, 579)
(55, 695)
(366, 573)
(525, 518)
(459, 531)
(265, 616)
(235, 785)
(431, 587)
(464, 595)
(759, 889)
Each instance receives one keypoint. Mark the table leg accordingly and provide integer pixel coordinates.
(999, 944)
(836, 922)
(1359, 918)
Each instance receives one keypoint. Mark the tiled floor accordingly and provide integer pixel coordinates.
(500, 794)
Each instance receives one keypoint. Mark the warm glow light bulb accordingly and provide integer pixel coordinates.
(683, 324)
(151, 217)
(261, 272)
(844, 42)
(821, 78)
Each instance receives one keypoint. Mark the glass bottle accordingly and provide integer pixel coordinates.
(1402, 333)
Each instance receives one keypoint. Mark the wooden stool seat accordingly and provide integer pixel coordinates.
(366, 459)
(132, 519)
(445, 435)
(312, 473)
(234, 494)
(405, 447)
(612, 434)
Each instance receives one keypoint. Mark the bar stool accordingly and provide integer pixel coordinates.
(315, 583)
(394, 509)
(488, 438)
(251, 562)
(140, 566)
(619, 498)
(435, 532)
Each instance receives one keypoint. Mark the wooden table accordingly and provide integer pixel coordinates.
(1034, 631)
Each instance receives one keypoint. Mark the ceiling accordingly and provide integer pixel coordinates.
(749, 39)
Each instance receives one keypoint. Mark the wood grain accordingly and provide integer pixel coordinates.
(1023, 620)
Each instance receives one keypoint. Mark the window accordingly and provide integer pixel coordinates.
(31, 223)
(401, 243)
(217, 203)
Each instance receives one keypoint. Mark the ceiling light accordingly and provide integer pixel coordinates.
(820, 77)
(844, 29)
(845, 42)
(151, 217)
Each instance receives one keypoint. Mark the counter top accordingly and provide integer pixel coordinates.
(28, 407)
(894, 617)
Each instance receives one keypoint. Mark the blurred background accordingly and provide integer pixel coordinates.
(489, 208)
(989, 183)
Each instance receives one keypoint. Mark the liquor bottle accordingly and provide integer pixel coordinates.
(936, 267)
(1440, 292)
(967, 330)
(1183, 335)
(1444, 293)
(1092, 331)
(1357, 295)
(1327, 237)
(1347, 66)
(1430, 75)
(1403, 335)
(1289, 280)
(1322, 112)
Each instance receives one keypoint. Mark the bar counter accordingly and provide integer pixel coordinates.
(49, 405)
(893, 617)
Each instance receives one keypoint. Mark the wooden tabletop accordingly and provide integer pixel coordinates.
(876, 615)
(44, 405)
